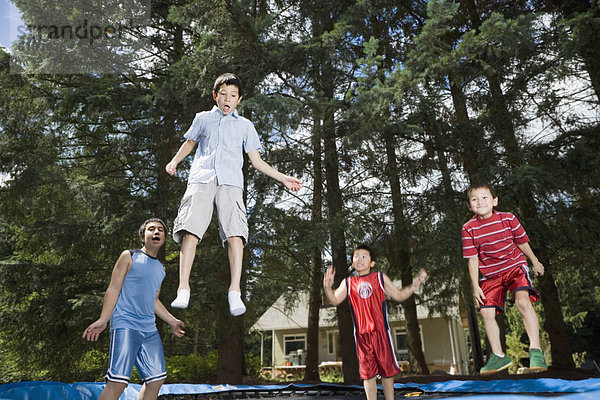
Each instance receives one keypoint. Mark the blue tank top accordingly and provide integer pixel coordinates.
(135, 306)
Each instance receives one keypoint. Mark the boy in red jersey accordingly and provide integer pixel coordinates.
(496, 244)
(374, 344)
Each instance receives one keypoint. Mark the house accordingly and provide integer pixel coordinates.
(444, 338)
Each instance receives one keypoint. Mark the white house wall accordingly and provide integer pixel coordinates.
(436, 331)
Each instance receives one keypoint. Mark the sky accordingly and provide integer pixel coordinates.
(6, 24)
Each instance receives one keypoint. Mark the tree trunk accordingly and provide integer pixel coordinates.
(231, 344)
(476, 349)
(469, 134)
(560, 348)
(312, 338)
(400, 260)
(338, 243)
(416, 357)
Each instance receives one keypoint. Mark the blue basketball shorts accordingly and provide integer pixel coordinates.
(129, 347)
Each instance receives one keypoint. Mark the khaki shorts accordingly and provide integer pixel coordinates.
(196, 209)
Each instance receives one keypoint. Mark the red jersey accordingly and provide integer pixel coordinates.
(494, 241)
(367, 302)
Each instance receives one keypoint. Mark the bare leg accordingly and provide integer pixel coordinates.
(492, 330)
(186, 260)
(150, 390)
(530, 318)
(371, 388)
(235, 251)
(388, 388)
(112, 391)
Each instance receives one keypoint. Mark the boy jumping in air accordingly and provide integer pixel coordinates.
(367, 292)
(496, 244)
(216, 178)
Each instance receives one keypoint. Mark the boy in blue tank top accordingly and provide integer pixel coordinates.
(131, 304)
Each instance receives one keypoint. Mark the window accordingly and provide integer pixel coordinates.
(401, 348)
(333, 343)
(293, 343)
(330, 343)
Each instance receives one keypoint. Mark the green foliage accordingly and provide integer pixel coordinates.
(253, 366)
(191, 367)
(333, 376)
(515, 347)
(579, 358)
(92, 366)
(10, 362)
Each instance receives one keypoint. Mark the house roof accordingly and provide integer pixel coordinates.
(279, 316)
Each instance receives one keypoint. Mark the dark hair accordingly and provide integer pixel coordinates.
(367, 248)
(481, 185)
(146, 222)
(228, 79)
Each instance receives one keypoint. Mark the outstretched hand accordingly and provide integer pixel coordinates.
(419, 278)
(328, 277)
(292, 183)
(93, 331)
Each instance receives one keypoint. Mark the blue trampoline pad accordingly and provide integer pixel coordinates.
(586, 389)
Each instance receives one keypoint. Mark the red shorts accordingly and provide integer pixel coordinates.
(495, 287)
(376, 356)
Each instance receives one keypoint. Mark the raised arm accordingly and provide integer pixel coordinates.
(400, 295)
(262, 166)
(111, 296)
(536, 265)
(334, 298)
(185, 149)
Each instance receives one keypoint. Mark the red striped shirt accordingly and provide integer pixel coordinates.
(494, 241)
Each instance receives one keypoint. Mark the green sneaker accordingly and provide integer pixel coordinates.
(496, 364)
(537, 361)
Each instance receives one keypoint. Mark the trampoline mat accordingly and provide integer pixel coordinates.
(505, 389)
(471, 390)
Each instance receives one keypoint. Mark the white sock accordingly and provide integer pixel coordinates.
(236, 305)
(182, 300)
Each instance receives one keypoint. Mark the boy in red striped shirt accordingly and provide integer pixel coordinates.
(496, 245)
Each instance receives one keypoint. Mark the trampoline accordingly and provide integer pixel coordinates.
(505, 389)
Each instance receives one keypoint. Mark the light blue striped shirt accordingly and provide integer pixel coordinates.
(221, 139)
